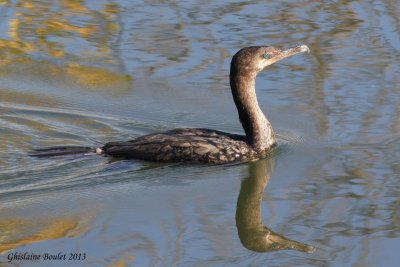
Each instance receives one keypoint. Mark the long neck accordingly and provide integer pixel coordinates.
(259, 132)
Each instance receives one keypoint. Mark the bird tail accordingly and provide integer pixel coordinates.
(61, 151)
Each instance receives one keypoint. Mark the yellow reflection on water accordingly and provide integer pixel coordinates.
(43, 29)
(124, 262)
(17, 232)
(89, 76)
(64, 26)
(76, 5)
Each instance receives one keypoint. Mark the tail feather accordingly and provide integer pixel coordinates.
(60, 151)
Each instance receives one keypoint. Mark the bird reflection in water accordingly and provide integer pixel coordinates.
(252, 233)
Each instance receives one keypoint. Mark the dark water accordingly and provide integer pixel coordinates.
(89, 72)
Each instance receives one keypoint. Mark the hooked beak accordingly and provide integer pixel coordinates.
(290, 52)
(298, 49)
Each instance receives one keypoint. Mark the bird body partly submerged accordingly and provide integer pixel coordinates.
(185, 145)
(204, 145)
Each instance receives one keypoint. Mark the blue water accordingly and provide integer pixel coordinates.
(90, 72)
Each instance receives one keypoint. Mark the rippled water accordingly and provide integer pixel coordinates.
(90, 72)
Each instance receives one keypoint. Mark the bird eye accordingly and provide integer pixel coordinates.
(266, 56)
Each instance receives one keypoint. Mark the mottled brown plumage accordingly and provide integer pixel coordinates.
(211, 146)
(203, 145)
(186, 144)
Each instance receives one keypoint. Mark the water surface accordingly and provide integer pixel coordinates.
(90, 72)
